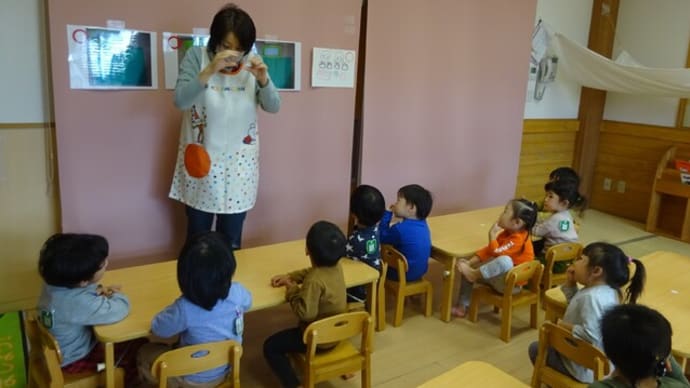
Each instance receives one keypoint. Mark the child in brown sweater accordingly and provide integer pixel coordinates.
(313, 293)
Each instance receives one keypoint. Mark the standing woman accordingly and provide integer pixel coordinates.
(218, 89)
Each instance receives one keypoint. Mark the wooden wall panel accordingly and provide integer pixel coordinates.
(546, 144)
(630, 152)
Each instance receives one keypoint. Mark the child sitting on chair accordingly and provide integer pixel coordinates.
(561, 196)
(509, 246)
(210, 309)
(637, 340)
(72, 301)
(313, 293)
(411, 236)
(364, 244)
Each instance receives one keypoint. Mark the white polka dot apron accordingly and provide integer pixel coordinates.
(227, 111)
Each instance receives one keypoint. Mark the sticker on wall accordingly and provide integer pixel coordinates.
(107, 58)
(333, 68)
(175, 47)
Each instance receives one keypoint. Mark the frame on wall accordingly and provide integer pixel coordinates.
(284, 61)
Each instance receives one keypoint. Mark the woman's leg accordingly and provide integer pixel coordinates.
(231, 226)
(198, 221)
(276, 349)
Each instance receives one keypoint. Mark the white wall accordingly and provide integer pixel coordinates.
(656, 34)
(562, 97)
(22, 63)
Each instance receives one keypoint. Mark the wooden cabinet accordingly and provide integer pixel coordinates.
(667, 183)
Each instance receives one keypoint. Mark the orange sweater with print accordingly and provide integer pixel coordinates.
(516, 245)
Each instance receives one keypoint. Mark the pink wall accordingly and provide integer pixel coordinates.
(116, 149)
(444, 98)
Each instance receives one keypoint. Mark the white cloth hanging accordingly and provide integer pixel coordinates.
(593, 70)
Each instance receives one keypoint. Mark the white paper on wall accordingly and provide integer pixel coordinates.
(334, 68)
(175, 47)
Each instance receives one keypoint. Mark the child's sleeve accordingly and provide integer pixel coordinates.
(169, 322)
(545, 228)
(104, 310)
(569, 291)
(589, 330)
(305, 300)
(506, 247)
(298, 276)
(388, 234)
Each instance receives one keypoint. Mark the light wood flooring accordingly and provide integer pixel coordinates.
(422, 348)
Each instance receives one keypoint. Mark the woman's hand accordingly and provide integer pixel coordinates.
(222, 59)
(259, 69)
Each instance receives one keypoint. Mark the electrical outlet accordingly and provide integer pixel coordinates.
(620, 187)
(607, 184)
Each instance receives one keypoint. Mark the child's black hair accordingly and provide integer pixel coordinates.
(67, 259)
(205, 269)
(564, 173)
(614, 264)
(232, 18)
(419, 197)
(367, 204)
(526, 211)
(325, 243)
(567, 190)
(637, 339)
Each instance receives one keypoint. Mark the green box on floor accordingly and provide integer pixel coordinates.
(12, 356)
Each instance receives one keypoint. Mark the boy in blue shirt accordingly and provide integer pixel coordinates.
(211, 307)
(411, 236)
(72, 301)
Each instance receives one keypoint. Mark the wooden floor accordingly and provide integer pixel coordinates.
(422, 348)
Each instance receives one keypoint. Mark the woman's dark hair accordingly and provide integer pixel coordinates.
(232, 18)
(567, 190)
(67, 259)
(205, 269)
(614, 264)
(637, 340)
(367, 204)
(325, 243)
(419, 197)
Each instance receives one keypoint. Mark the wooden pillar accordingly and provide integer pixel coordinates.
(602, 30)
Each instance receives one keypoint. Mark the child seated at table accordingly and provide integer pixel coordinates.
(411, 236)
(637, 340)
(211, 307)
(72, 301)
(364, 244)
(560, 196)
(509, 246)
(602, 269)
(313, 293)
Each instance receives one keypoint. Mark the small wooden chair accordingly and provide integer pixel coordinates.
(344, 358)
(575, 349)
(380, 300)
(192, 359)
(402, 288)
(530, 294)
(558, 253)
(45, 359)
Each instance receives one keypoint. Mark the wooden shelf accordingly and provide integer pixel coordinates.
(667, 182)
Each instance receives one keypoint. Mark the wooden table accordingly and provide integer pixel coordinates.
(455, 236)
(474, 374)
(667, 290)
(152, 287)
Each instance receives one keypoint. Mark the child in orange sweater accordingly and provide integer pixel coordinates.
(509, 245)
